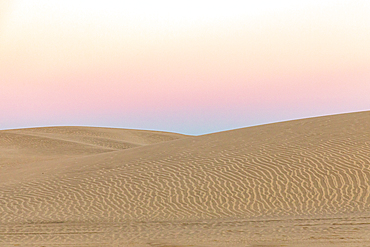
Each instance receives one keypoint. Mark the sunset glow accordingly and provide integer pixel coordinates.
(185, 66)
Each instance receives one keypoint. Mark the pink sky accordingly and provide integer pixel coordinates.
(190, 67)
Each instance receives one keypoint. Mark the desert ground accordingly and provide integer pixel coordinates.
(296, 183)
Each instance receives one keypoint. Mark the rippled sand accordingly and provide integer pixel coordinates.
(296, 183)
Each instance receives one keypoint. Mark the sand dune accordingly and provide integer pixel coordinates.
(296, 183)
(22, 146)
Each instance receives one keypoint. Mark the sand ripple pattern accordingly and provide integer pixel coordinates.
(298, 168)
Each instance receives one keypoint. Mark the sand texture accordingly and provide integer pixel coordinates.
(297, 183)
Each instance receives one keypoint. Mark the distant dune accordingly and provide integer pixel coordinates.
(297, 183)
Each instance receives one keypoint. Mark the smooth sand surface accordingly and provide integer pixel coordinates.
(297, 183)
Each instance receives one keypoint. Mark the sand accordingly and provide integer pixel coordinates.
(297, 183)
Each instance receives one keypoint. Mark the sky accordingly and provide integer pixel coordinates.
(191, 67)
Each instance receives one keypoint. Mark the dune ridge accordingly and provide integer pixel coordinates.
(37, 144)
(302, 170)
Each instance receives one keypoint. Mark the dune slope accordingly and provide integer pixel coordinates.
(316, 168)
